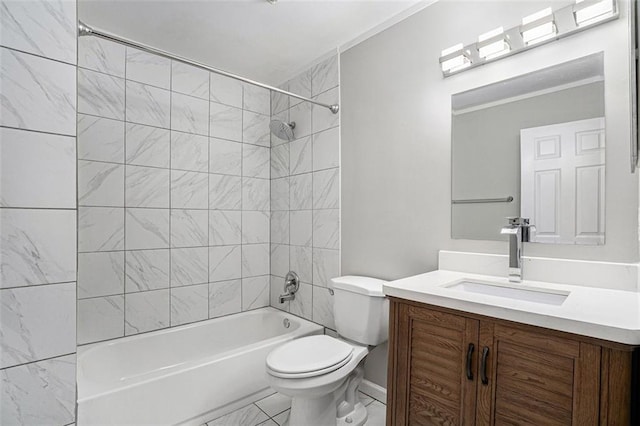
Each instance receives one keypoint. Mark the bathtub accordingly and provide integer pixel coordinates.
(183, 375)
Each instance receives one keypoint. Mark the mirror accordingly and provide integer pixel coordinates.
(532, 146)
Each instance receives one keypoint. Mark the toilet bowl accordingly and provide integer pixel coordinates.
(322, 373)
(319, 373)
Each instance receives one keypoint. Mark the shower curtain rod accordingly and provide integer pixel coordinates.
(86, 30)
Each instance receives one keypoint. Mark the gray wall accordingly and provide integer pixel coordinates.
(396, 133)
(37, 212)
(486, 156)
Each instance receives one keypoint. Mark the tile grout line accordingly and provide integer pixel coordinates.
(146, 166)
(170, 195)
(313, 137)
(77, 228)
(152, 248)
(41, 208)
(270, 200)
(289, 208)
(140, 208)
(209, 288)
(18, 287)
(242, 181)
(130, 292)
(88, 114)
(48, 358)
(4, 126)
(46, 58)
(124, 201)
(262, 411)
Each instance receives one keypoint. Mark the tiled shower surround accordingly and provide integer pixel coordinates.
(173, 193)
(177, 180)
(176, 167)
(37, 212)
(305, 193)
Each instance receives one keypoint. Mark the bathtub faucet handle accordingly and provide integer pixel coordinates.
(291, 282)
(291, 285)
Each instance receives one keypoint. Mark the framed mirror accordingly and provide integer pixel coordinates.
(532, 146)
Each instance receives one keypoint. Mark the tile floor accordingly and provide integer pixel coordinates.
(273, 410)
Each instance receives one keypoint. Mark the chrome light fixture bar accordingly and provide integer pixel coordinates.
(590, 11)
(538, 27)
(493, 44)
(86, 30)
(536, 30)
(454, 59)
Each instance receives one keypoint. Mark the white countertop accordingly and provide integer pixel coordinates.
(596, 312)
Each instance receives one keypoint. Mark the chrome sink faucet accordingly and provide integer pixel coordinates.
(518, 230)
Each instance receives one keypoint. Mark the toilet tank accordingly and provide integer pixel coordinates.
(360, 309)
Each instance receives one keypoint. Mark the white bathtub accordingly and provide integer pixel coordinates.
(183, 375)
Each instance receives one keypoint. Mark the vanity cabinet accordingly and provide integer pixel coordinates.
(453, 368)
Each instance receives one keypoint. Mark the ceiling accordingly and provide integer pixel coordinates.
(253, 38)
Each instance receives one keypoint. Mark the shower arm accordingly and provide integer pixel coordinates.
(86, 30)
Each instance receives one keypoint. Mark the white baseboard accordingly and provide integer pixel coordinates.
(373, 390)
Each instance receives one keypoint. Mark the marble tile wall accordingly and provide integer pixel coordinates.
(37, 212)
(305, 193)
(173, 190)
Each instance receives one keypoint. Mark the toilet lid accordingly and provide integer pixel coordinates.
(309, 356)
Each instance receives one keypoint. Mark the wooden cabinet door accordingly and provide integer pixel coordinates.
(428, 367)
(536, 378)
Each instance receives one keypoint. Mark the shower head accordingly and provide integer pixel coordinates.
(282, 130)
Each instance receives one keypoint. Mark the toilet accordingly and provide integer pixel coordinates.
(322, 373)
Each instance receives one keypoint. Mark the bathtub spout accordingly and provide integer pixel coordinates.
(288, 296)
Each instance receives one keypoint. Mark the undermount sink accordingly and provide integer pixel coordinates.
(529, 294)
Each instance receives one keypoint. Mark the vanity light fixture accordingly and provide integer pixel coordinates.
(454, 59)
(493, 44)
(587, 12)
(538, 27)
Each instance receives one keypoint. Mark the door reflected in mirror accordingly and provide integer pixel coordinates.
(532, 146)
(562, 181)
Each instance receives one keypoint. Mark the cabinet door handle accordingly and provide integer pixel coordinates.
(469, 359)
(483, 368)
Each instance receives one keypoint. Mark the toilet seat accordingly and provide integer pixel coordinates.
(309, 357)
